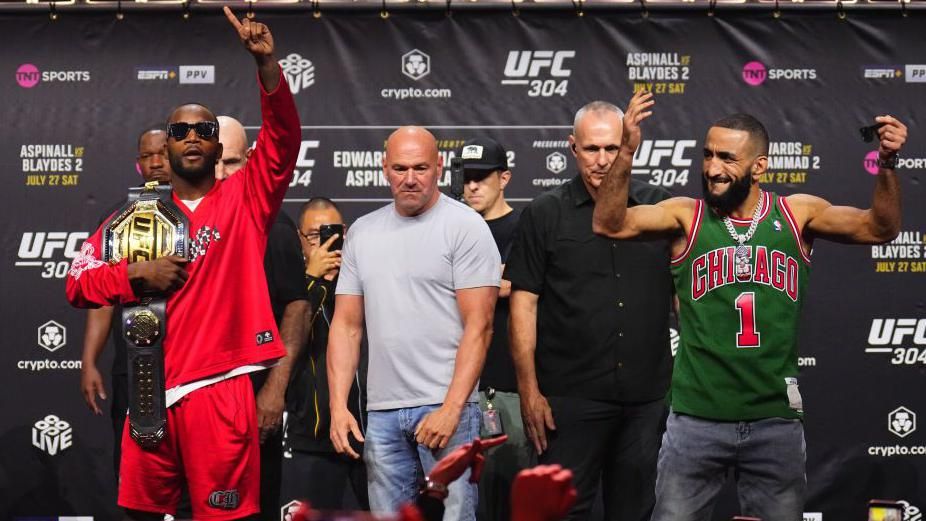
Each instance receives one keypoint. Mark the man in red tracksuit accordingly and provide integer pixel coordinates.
(219, 321)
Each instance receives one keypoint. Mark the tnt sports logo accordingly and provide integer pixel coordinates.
(556, 162)
(901, 422)
(28, 76)
(544, 72)
(224, 499)
(299, 72)
(52, 336)
(49, 251)
(666, 161)
(302, 174)
(52, 435)
(289, 510)
(416, 64)
(755, 73)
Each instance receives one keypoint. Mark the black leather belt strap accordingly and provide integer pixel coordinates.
(149, 226)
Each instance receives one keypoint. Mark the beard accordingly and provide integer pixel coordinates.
(192, 175)
(732, 198)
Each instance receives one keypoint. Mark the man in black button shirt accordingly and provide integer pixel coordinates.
(590, 332)
(485, 175)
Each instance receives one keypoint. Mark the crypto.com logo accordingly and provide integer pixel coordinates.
(52, 336)
(901, 422)
(416, 64)
(556, 162)
(299, 72)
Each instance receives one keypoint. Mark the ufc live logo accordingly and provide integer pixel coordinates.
(892, 331)
(530, 64)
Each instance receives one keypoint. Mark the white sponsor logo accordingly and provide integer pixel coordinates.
(915, 73)
(416, 64)
(674, 340)
(471, 152)
(901, 422)
(302, 174)
(544, 72)
(556, 162)
(48, 250)
(652, 154)
(892, 331)
(154, 74)
(910, 512)
(52, 336)
(882, 73)
(299, 72)
(52, 435)
(197, 74)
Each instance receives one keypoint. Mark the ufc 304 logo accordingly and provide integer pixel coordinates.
(544, 72)
(49, 251)
(302, 174)
(664, 160)
(903, 338)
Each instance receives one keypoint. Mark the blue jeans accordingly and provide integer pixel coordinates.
(396, 464)
(768, 458)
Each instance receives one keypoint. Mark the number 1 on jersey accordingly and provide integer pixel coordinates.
(747, 337)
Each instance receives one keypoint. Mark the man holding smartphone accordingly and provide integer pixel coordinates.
(312, 469)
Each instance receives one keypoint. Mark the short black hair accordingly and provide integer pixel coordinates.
(317, 203)
(152, 128)
(758, 136)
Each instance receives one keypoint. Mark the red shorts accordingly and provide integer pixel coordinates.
(211, 445)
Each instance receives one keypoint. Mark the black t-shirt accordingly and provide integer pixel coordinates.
(498, 372)
(284, 266)
(603, 309)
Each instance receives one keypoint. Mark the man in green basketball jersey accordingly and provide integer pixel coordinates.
(741, 263)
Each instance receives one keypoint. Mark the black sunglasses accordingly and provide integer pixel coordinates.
(204, 129)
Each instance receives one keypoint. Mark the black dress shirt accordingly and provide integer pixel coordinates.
(603, 309)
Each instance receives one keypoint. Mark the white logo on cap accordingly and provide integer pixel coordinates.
(472, 152)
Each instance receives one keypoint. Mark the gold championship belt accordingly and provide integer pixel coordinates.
(149, 226)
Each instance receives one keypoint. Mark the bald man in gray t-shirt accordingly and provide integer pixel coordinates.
(423, 274)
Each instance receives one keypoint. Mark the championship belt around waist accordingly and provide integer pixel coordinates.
(149, 226)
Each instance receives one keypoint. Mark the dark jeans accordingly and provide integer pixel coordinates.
(768, 456)
(323, 479)
(611, 443)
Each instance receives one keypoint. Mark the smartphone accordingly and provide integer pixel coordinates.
(456, 178)
(884, 510)
(325, 232)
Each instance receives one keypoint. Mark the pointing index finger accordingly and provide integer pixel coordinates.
(231, 18)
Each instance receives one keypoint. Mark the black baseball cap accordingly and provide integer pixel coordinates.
(481, 157)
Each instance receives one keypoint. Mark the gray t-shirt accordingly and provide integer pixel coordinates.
(408, 270)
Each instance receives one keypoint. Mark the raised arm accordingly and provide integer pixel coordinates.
(847, 224)
(612, 217)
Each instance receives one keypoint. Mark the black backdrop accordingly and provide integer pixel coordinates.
(76, 93)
